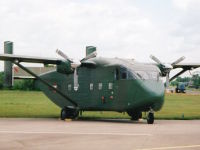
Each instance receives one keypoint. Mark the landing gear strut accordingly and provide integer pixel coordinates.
(150, 117)
(70, 113)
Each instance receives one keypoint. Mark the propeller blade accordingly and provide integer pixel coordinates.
(167, 80)
(155, 59)
(76, 85)
(59, 52)
(178, 61)
(92, 55)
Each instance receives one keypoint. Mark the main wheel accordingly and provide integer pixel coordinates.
(134, 115)
(150, 118)
(63, 114)
(68, 113)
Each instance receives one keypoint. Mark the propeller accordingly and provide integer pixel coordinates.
(92, 55)
(166, 67)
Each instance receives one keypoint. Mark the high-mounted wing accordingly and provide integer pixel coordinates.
(19, 58)
(165, 68)
(185, 67)
(16, 59)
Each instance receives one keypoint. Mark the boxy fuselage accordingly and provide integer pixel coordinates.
(108, 84)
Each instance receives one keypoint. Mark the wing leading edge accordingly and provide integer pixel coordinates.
(185, 67)
(28, 59)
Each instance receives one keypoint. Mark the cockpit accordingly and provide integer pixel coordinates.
(123, 73)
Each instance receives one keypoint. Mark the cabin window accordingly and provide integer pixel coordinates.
(91, 86)
(69, 87)
(110, 86)
(100, 86)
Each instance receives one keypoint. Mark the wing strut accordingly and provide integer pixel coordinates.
(46, 83)
(181, 72)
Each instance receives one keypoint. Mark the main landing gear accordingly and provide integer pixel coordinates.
(69, 113)
(135, 115)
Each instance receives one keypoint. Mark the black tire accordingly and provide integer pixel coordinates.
(135, 115)
(63, 114)
(69, 113)
(150, 118)
(75, 114)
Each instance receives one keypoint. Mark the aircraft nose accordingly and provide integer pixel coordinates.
(155, 94)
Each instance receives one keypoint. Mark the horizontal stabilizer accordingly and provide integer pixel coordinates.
(19, 58)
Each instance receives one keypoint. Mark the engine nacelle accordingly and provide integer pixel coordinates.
(65, 67)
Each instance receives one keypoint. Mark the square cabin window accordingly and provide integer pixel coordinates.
(100, 86)
(110, 86)
(91, 86)
(69, 87)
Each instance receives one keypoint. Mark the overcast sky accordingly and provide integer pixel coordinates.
(135, 29)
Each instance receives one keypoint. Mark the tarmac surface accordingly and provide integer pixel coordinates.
(55, 134)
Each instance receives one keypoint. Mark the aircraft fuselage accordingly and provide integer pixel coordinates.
(118, 86)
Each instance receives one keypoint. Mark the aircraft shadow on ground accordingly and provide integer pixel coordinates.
(125, 121)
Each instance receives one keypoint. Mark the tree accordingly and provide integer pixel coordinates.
(26, 85)
(196, 80)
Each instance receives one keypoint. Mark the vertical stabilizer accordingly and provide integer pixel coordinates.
(8, 72)
(89, 50)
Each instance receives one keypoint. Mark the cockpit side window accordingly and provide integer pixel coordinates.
(123, 73)
(148, 75)
(117, 74)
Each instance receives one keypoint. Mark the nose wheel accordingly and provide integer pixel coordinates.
(150, 117)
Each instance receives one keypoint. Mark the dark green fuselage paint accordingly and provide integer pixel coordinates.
(108, 84)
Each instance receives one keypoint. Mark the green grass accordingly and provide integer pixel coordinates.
(37, 105)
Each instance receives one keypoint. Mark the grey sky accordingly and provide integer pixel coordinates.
(135, 29)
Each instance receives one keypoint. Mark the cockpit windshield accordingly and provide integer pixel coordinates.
(148, 75)
(127, 73)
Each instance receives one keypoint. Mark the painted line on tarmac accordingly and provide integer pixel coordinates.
(175, 147)
(75, 133)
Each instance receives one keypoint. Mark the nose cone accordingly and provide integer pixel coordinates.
(154, 94)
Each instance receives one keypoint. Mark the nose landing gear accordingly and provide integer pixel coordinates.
(150, 117)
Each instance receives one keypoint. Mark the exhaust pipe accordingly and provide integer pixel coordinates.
(8, 71)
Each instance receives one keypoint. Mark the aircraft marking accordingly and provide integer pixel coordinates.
(75, 133)
(175, 147)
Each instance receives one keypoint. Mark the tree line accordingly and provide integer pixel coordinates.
(193, 81)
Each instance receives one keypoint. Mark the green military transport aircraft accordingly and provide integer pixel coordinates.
(100, 84)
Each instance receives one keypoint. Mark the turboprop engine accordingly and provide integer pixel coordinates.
(66, 65)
